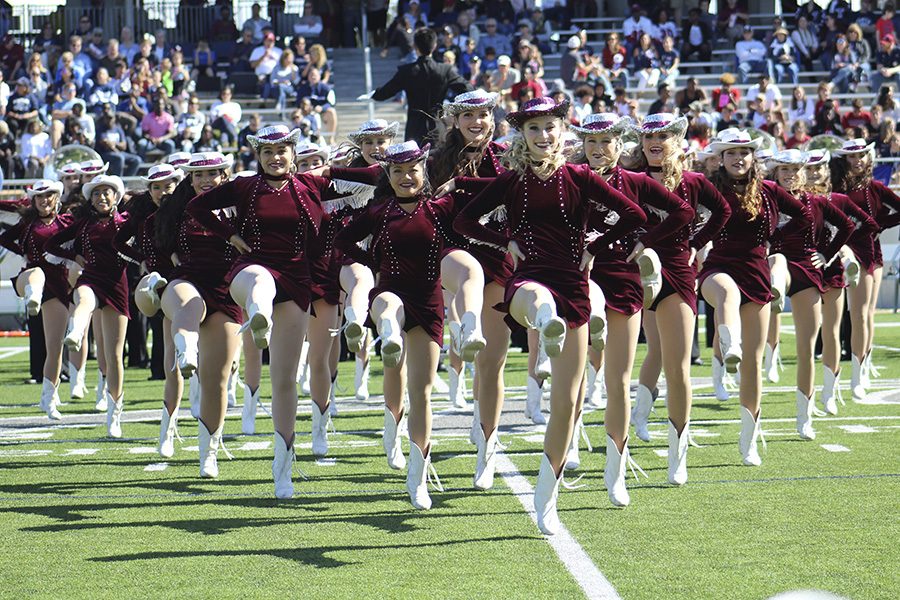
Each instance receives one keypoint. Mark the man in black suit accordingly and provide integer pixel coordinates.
(426, 84)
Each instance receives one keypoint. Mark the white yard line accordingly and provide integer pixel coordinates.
(570, 553)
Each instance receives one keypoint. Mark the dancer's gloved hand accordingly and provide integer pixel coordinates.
(445, 188)
(638, 248)
(517, 254)
(693, 256)
(80, 260)
(587, 261)
(239, 243)
(818, 260)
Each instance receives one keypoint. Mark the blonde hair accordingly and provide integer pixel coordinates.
(672, 162)
(611, 159)
(518, 158)
(822, 189)
(801, 180)
(317, 55)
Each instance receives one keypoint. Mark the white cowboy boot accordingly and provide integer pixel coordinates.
(856, 383)
(194, 395)
(573, 457)
(546, 493)
(614, 473)
(595, 381)
(770, 364)
(749, 434)
(718, 380)
(678, 449)
(33, 296)
(392, 448)
(167, 427)
(851, 271)
(101, 403)
(391, 343)
(831, 383)
(474, 436)
(231, 393)
(209, 448)
(457, 383)
(779, 288)
(542, 368)
(248, 412)
(472, 340)
(805, 407)
(50, 400)
(332, 397)
(281, 468)
(361, 381)
(865, 373)
(640, 414)
(354, 330)
(730, 347)
(651, 275)
(597, 329)
(320, 421)
(186, 352)
(533, 396)
(486, 461)
(77, 387)
(303, 369)
(75, 332)
(417, 477)
(552, 330)
(114, 409)
(259, 322)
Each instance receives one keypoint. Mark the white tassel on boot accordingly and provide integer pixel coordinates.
(771, 363)
(457, 383)
(102, 402)
(472, 340)
(231, 393)
(114, 416)
(281, 468)
(248, 412)
(50, 400)
(595, 383)
(718, 380)
(392, 448)
(77, 387)
(486, 460)
(573, 456)
(730, 347)
(332, 396)
(831, 390)
(805, 407)
(194, 395)
(614, 473)
(546, 493)
(640, 414)
(856, 381)
(391, 343)
(750, 430)
(168, 425)
(320, 420)
(533, 396)
(417, 477)
(303, 369)
(209, 449)
(474, 436)
(33, 296)
(361, 381)
(678, 449)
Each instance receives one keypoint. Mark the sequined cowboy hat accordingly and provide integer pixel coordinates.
(177, 159)
(95, 167)
(208, 160)
(69, 169)
(596, 123)
(471, 101)
(376, 127)
(787, 157)
(854, 146)
(816, 157)
(44, 186)
(404, 153)
(274, 134)
(733, 138)
(310, 149)
(538, 107)
(662, 123)
(163, 172)
(112, 181)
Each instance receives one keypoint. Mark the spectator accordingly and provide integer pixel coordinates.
(669, 61)
(204, 61)
(7, 150)
(732, 17)
(799, 134)
(48, 42)
(96, 49)
(4, 94)
(765, 88)
(132, 109)
(823, 96)
(827, 38)
(725, 93)
(584, 99)
(412, 16)
(223, 28)
(889, 107)
(264, 60)
(301, 54)
(646, 62)
(777, 23)
(310, 118)
(145, 51)
(751, 55)
(310, 24)
(103, 92)
(113, 145)
(663, 102)
(691, 93)
(240, 58)
(284, 78)
(127, 45)
(784, 57)
(498, 41)
(256, 23)
(623, 105)
(22, 107)
(158, 129)
(84, 26)
(570, 62)
(225, 114)
(697, 36)
(636, 25)
(321, 95)
(490, 60)
(73, 133)
(120, 79)
(860, 46)
(844, 66)
(245, 152)
(505, 77)
(465, 59)
(35, 150)
(540, 26)
(806, 43)
(828, 121)
(84, 65)
(207, 141)
(447, 44)
(885, 25)
(663, 26)
(400, 35)
(318, 58)
(528, 81)
(190, 124)
(887, 64)
(728, 117)
(613, 60)
(467, 29)
(39, 78)
(801, 108)
(857, 117)
(12, 56)
(111, 56)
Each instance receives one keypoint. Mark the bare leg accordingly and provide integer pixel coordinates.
(357, 281)
(142, 300)
(389, 306)
(533, 341)
(860, 297)
(252, 361)
(873, 303)
(623, 335)
(832, 311)
(254, 285)
(422, 355)
(114, 325)
(754, 328)
(53, 315)
(463, 277)
(319, 356)
(490, 361)
(182, 305)
(84, 301)
(807, 314)
(652, 365)
(174, 387)
(675, 324)
(722, 293)
(290, 325)
(218, 344)
(97, 326)
(565, 394)
(453, 314)
(774, 334)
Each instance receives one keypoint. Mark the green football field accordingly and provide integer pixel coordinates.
(83, 516)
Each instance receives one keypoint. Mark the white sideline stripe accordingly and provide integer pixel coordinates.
(857, 428)
(81, 452)
(835, 448)
(157, 467)
(142, 450)
(256, 446)
(570, 553)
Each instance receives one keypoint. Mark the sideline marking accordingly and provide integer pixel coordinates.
(570, 553)
(856, 428)
(142, 450)
(256, 446)
(81, 452)
(157, 467)
(835, 448)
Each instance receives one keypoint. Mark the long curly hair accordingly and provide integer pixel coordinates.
(672, 163)
(822, 189)
(448, 159)
(582, 159)
(140, 206)
(518, 158)
(802, 180)
(841, 179)
(169, 215)
(750, 200)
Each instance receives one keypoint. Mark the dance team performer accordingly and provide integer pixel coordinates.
(136, 240)
(550, 206)
(101, 286)
(204, 319)
(276, 226)
(43, 286)
(735, 277)
(670, 318)
(851, 174)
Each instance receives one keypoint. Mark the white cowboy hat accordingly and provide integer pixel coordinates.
(163, 172)
(662, 122)
(95, 167)
(815, 157)
(274, 134)
(113, 181)
(471, 101)
(241, 174)
(854, 146)
(176, 159)
(404, 153)
(312, 149)
(375, 127)
(787, 157)
(208, 160)
(43, 186)
(596, 123)
(72, 168)
(544, 106)
(733, 138)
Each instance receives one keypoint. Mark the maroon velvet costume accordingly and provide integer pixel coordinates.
(29, 239)
(877, 201)
(866, 228)
(144, 249)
